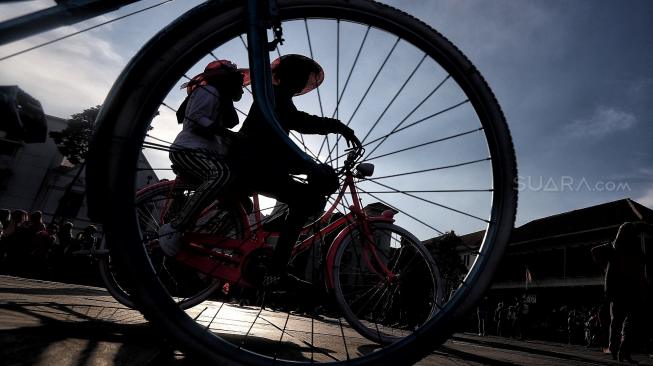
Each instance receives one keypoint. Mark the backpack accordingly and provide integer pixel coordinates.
(181, 112)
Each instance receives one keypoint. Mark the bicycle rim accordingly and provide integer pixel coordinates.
(380, 309)
(147, 81)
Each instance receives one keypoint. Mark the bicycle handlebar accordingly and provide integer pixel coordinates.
(353, 155)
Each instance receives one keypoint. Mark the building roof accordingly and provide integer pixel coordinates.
(602, 220)
(606, 216)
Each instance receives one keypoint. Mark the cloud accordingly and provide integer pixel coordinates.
(66, 76)
(603, 122)
(647, 198)
(12, 10)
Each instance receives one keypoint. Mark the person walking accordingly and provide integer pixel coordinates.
(500, 319)
(481, 313)
(625, 283)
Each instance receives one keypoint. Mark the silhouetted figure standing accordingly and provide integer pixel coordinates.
(500, 319)
(625, 283)
(481, 313)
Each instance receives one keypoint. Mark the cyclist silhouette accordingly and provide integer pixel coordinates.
(265, 164)
(253, 160)
(198, 152)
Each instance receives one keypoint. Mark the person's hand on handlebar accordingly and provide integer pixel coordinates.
(352, 140)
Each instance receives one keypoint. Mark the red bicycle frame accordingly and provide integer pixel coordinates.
(225, 258)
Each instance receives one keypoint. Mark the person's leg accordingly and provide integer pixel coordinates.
(479, 323)
(616, 323)
(625, 346)
(214, 174)
(303, 202)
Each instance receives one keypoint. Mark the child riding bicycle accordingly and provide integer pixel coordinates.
(258, 162)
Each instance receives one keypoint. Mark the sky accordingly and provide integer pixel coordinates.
(574, 79)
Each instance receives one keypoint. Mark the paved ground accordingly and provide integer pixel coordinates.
(48, 323)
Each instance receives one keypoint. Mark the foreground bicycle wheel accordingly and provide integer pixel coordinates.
(443, 153)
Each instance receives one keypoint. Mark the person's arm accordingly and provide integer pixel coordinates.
(306, 123)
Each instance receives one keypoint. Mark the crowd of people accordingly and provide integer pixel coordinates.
(29, 246)
(612, 325)
(582, 325)
(505, 319)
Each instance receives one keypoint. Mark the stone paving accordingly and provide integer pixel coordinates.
(49, 323)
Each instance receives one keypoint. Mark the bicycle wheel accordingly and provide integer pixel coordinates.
(155, 206)
(458, 173)
(382, 309)
(109, 274)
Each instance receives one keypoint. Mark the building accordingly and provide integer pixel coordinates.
(548, 261)
(36, 176)
(553, 253)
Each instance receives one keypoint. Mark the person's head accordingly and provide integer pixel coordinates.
(18, 216)
(5, 216)
(296, 74)
(67, 226)
(90, 229)
(36, 217)
(53, 229)
(626, 235)
(224, 76)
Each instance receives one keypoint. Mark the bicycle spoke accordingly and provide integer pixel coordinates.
(432, 202)
(84, 30)
(300, 138)
(436, 191)
(310, 49)
(351, 70)
(344, 339)
(394, 98)
(283, 331)
(402, 211)
(369, 87)
(428, 170)
(414, 109)
(337, 115)
(384, 138)
(424, 144)
(397, 130)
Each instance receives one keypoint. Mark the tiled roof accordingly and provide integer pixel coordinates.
(606, 216)
(604, 219)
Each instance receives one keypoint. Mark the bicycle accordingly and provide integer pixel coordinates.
(367, 252)
(466, 109)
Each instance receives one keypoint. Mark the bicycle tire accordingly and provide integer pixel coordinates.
(107, 268)
(133, 102)
(375, 329)
(117, 291)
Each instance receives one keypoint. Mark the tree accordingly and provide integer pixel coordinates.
(73, 140)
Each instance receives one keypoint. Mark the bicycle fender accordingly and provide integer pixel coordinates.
(333, 249)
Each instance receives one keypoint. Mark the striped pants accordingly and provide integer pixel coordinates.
(202, 166)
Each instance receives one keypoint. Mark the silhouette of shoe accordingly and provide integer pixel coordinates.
(169, 240)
